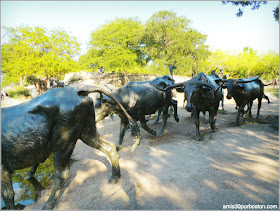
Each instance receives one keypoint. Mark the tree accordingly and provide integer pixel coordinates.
(245, 64)
(269, 65)
(116, 46)
(217, 60)
(168, 40)
(38, 51)
(255, 5)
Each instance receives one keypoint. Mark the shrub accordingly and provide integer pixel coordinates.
(17, 91)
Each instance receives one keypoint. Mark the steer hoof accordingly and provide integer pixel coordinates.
(213, 130)
(114, 179)
(119, 148)
(48, 206)
(176, 118)
(154, 133)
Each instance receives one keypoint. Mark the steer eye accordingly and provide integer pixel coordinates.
(205, 88)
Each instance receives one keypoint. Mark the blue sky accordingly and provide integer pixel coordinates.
(256, 29)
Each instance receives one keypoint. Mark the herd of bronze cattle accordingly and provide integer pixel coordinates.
(55, 120)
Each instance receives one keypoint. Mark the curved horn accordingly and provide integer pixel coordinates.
(206, 84)
(242, 82)
(219, 87)
(90, 89)
(170, 87)
(211, 86)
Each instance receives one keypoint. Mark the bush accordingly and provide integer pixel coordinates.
(17, 91)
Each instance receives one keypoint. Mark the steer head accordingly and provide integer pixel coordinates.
(163, 82)
(193, 89)
(236, 86)
(197, 92)
(104, 106)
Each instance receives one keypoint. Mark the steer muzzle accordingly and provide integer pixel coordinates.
(189, 107)
(229, 96)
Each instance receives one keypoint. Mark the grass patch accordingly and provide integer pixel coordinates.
(274, 91)
(17, 92)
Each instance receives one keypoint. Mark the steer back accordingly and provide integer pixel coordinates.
(244, 90)
(135, 96)
(31, 130)
(52, 122)
(139, 99)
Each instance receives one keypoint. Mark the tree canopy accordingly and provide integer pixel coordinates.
(164, 40)
(245, 64)
(37, 51)
(115, 46)
(169, 40)
(255, 5)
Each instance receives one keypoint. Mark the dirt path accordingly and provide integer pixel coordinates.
(234, 165)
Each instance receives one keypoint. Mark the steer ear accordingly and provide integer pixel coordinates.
(100, 95)
(109, 103)
(180, 89)
(206, 88)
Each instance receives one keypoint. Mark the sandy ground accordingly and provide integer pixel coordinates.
(234, 165)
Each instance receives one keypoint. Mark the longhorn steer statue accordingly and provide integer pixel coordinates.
(51, 123)
(140, 99)
(201, 96)
(173, 103)
(244, 92)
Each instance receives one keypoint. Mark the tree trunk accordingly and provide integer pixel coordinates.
(22, 80)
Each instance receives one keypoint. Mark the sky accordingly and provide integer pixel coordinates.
(256, 29)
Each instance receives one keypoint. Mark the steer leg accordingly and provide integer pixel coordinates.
(159, 113)
(7, 188)
(250, 105)
(144, 124)
(175, 107)
(222, 102)
(61, 162)
(37, 186)
(109, 149)
(196, 121)
(123, 128)
(238, 114)
(259, 106)
(266, 97)
(32, 171)
(212, 119)
(136, 137)
(165, 117)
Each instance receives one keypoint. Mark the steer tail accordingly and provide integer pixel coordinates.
(90, 89)
(268, 84)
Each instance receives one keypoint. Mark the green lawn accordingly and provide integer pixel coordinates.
(274, 91)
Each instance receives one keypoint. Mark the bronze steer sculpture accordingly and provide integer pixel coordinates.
(201, 96)
(244, 92)
(173, 103)
(139, 100)
(51, 123)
